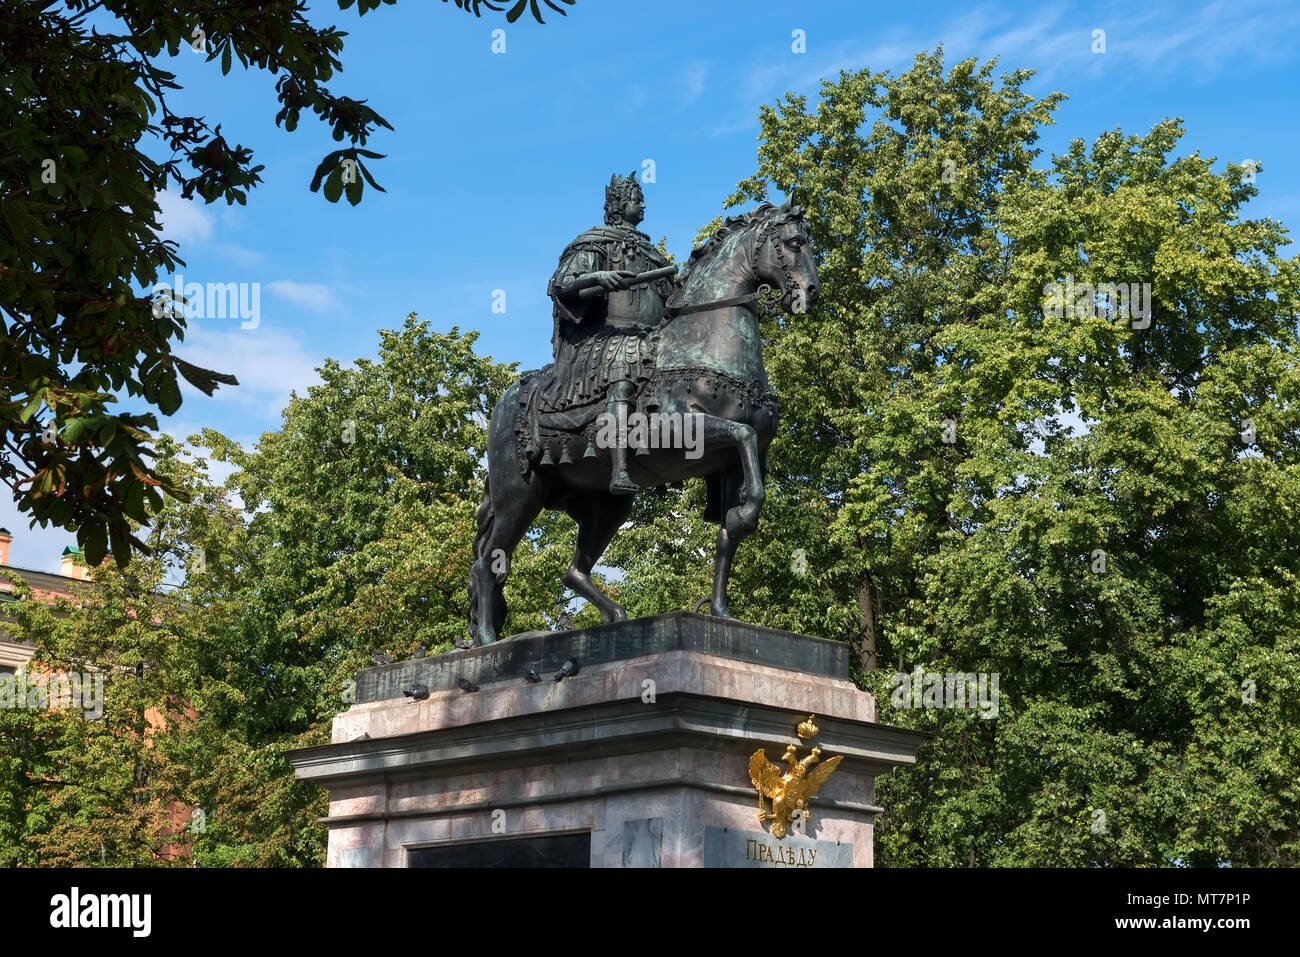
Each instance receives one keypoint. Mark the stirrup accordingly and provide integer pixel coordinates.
(621, 484)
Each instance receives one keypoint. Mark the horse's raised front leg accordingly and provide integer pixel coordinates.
(742, 518)
(598, 516)
(741, 499)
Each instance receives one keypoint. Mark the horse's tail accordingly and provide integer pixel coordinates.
(487, 517)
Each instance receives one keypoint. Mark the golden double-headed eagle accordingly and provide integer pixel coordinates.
(791, 791)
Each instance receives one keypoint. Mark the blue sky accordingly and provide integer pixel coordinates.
(498, 159)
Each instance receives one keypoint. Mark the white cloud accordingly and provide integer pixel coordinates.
(233, 218)
(268, 362)
(218, 472)
(692, 79)
(311, 295)
(240, 255)
(1209, 39)
(1056, 41)
(183, 220)
(188, 222)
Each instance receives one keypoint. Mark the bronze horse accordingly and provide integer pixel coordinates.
(708, 365)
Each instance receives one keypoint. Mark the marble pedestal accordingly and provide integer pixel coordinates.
(641, 759)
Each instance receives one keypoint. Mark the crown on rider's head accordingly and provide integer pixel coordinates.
(617, 193)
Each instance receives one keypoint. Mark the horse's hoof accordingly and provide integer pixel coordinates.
(713, 609)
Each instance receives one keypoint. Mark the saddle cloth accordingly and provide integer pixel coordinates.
(559, 404)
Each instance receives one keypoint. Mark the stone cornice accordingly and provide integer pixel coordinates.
(615, 727)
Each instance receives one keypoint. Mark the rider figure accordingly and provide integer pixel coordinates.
(601, 340)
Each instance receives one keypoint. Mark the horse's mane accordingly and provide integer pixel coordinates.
(731, 225)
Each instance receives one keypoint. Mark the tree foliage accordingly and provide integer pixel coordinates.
(80, 113)
(344, 534)
(974, 474)
(113, 788)
(1076, 502)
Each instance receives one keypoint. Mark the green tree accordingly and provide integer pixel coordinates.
(357, 541)
(362, 510)
(967, 482)
(110, 782)
(79, 234)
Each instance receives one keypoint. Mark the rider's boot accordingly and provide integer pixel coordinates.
(621, 395)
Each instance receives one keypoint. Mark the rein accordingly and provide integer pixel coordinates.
(671, 311)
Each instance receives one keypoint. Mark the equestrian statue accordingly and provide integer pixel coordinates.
(636, 345)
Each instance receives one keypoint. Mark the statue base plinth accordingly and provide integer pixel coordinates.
(641, 759)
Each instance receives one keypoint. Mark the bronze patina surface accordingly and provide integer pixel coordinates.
(634, 340)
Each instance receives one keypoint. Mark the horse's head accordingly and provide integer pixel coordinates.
(782, 258)
(764, 248)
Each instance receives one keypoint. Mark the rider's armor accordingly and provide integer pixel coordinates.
(601, 342)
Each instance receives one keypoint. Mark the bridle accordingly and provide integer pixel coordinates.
(764, 234)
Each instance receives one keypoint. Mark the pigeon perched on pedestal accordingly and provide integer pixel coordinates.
(532, 677)
(568, 669)
(464, 644)
(466, 685)
(380, 658)
(417, 692)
